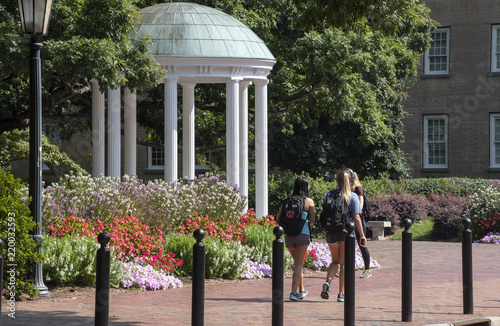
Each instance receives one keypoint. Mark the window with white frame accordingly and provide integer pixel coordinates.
(437, 58)
(495, 48)
(156, 158)
(495, 140)
(435, 141)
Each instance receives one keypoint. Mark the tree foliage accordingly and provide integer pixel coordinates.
(88, 39)
(14, 145)
(342, 69)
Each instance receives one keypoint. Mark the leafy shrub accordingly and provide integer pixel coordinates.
(222, 258)
(129, 238)
(484, 204)
(383, 210)
(451, 186)
(182, 246)
(72, 261)
(259, 240)
(447, 212)
(17, 225)
(157, 203)
(395, 208)
(409, 206)
(383, 185)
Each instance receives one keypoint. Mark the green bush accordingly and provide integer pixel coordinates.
(259, 240)
(72, 261)
(447, 212)
(222, 258)
(450, 186)
(19, 248)
(381, 186)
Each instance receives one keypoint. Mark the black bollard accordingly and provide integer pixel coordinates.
(1, 280)
(102, 281)
(278, 278)
(406, 301)
(349, 271)
(467, 267)
(198, 300)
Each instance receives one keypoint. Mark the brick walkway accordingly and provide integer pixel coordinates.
(437, 296)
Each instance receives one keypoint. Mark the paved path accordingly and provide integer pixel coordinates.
(437, 296)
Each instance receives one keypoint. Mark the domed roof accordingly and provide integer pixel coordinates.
(183, 29)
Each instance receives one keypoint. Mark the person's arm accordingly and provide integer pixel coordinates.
(359, 226)
(278, 215)
(310, 211)
(361, 195)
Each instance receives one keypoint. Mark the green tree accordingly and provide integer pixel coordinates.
(341, 64)
(336, 91)
(88, 39)
(14, 145)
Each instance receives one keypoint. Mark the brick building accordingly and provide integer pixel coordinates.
(454, 125)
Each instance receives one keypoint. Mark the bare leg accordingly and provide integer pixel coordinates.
(298, 255)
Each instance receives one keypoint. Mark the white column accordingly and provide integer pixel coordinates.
(130, 132)
(244, 140)
(188, 148)
(261, 173)
(114, 133)
(170, 130)
(232, 134)
(98, 131)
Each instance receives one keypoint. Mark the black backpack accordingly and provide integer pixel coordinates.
(334, 214)
(291, 211)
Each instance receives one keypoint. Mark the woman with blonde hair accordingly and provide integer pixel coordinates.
(335, 239)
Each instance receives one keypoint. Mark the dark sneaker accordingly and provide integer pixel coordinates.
(295, 297)
(326, 288)
(366, 274)
(302, 294)
(340, 298)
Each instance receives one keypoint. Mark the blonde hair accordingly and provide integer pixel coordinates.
(355, 181)
(344, 185)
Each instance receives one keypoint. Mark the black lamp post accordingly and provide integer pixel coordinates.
(35, 16)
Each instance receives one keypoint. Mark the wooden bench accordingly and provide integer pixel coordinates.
(378, 228)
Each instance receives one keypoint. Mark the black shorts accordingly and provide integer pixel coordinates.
(292, 241)
(334, 237)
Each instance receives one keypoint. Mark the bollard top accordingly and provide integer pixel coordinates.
(466, 222)
(407, 223)
(199, 234)
(349, 226)
(103, 238)
(278, 231)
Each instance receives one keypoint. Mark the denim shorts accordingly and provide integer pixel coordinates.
(292, 241)
(334, 237)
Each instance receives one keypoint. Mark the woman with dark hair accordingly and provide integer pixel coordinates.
(297, 244)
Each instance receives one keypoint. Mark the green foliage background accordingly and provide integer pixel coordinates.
(14, 204)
